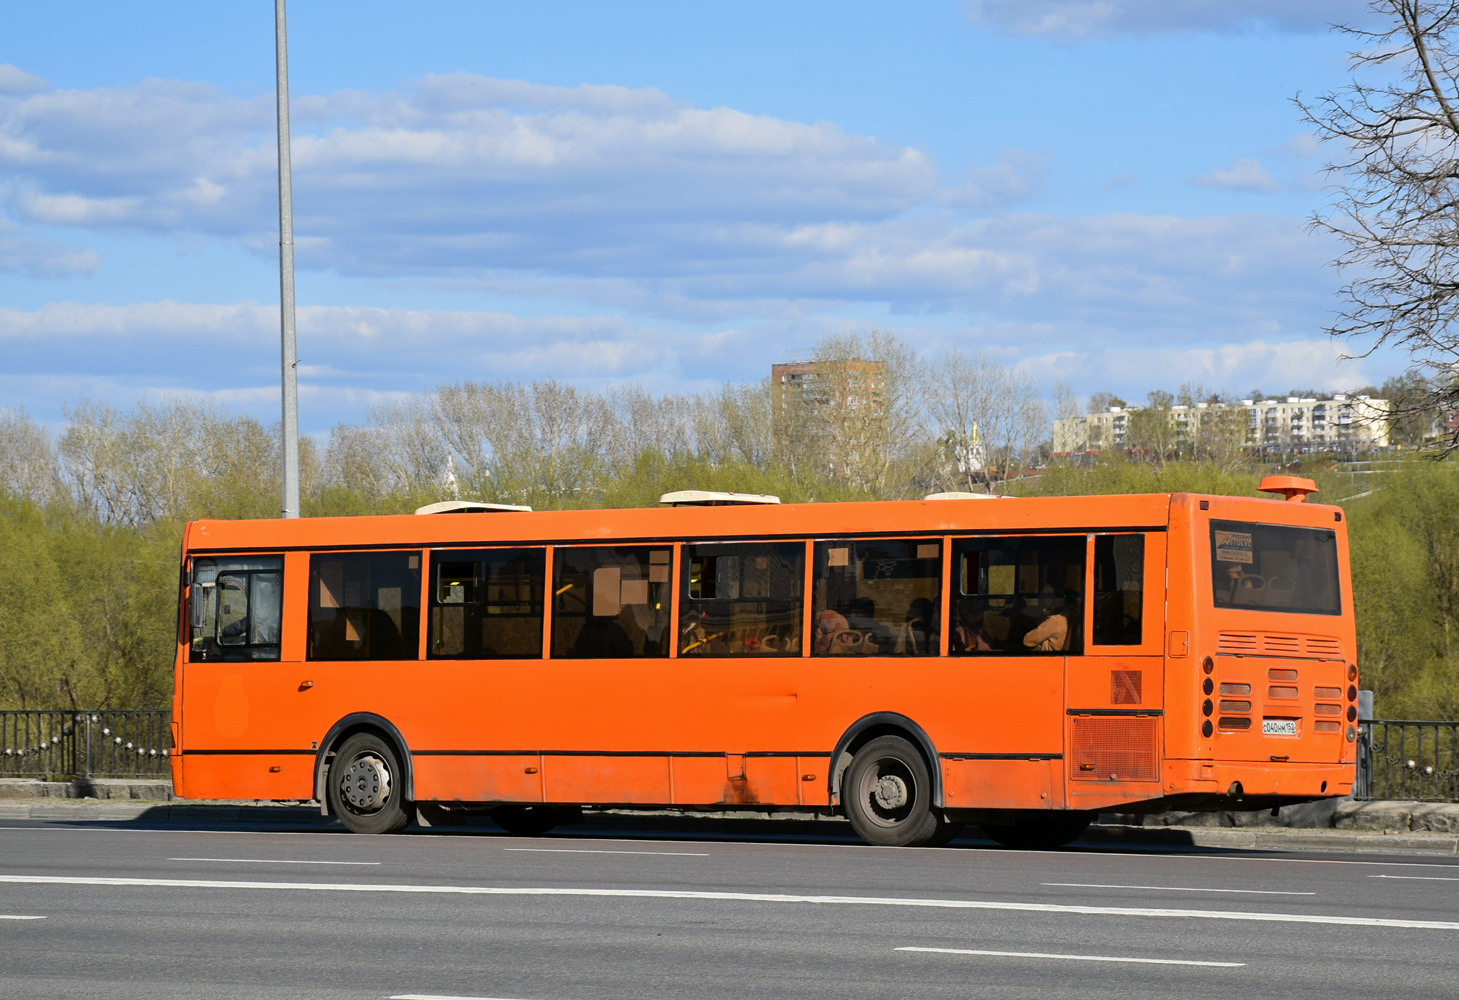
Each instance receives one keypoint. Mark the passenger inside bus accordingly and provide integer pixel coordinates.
(1019, 596)
(1053, 633)
(918, 635)
(602, 636)
(829, 624)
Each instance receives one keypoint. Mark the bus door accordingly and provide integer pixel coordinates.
(239, 690)
(1115, 683)
(1015, 615)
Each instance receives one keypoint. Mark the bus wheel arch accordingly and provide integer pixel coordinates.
(873, 726)
(352, 725)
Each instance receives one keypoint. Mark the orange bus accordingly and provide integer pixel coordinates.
(1021, 664)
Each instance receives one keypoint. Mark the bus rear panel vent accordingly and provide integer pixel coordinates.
(1116, 748)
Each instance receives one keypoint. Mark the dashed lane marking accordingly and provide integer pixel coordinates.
(273, 861)
(1178, 888)
(1076, 958)
(1343, 920)
(575, 850)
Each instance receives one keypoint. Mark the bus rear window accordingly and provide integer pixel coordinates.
(1271, 567)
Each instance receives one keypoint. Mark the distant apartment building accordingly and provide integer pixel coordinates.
(838, 383)
(1292, 425)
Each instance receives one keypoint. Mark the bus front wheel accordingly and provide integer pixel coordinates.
(366, 787)
(888, 794)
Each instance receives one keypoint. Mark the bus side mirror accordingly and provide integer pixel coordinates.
(198, 604)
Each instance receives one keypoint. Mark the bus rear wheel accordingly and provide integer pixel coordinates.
(1039, 831)
(366, 788)
(887, 794)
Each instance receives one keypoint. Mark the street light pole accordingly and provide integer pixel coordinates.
(289, 359)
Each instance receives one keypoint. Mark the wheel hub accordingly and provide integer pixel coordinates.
(366, 783)
(890, 792)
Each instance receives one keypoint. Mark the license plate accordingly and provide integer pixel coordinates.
(1279, 727)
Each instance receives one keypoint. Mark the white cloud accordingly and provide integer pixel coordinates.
(1272, 367)
(628, 200)
(39, 258)
(14, 80)
(455, 173)
(1076, 19)
(1244, 174)
(1016, 175)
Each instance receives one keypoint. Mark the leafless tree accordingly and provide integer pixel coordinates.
(860, 414)
(1068, 412)
(1395, 203)
(734, 424)
(28, 462)
(989, 419)
(1152, 428)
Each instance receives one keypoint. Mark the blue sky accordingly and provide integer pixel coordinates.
(1108, 191)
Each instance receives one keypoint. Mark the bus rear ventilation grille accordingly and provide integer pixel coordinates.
(1268, 644)
(1115, 748)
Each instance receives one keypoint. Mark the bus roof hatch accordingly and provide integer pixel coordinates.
(467, 507)
(713, 498)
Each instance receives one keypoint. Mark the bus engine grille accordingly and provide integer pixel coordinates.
(1115, 749)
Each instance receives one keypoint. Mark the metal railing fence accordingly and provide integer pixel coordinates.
(102, 743)
(1400, 759)
(1408, 760)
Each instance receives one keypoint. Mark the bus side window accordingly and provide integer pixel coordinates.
(610, 602)
(1119, 589)
(741, 599)
(364, 606)
(1018, 596)
(236, 608)
(877, 597)
(487, 604)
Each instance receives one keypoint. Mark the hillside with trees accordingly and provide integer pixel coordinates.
(91, 518)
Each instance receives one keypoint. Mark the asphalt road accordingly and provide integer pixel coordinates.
(90, 910)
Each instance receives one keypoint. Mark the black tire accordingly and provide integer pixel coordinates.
(887, 794)
(526, 821)
(1040, 831)
(366, 786)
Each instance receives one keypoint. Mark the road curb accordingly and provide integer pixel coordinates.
(1276, 839)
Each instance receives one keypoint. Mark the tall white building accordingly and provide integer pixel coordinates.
(1293, 425)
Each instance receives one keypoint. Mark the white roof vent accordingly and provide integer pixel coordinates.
(467, 507)
(961, 496)
(713, 498)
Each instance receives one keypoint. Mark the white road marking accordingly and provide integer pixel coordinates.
(1420, 878)
(1076, 958)
(575, 850)
(1182, 888)
(274, 861)
(952, 856)
(744, 897)
(436, 996)
(12, 916)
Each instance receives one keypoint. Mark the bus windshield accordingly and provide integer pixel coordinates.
(1270, 567)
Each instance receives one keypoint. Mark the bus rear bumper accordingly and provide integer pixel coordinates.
(1245, 779)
